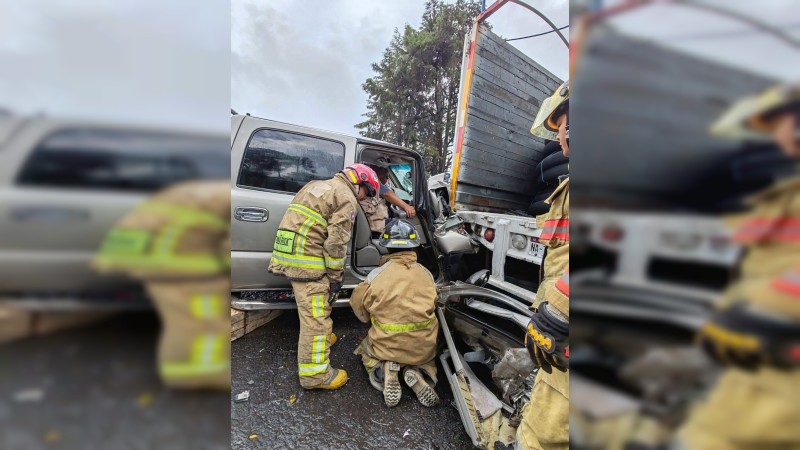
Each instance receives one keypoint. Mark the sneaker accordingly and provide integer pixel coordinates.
(391, 385)
(424, 391)
(337, 379)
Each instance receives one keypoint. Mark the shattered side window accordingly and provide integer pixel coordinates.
(282, 161)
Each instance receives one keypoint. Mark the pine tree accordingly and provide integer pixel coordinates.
(413, 95)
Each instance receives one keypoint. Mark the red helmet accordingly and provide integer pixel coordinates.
(361, 174)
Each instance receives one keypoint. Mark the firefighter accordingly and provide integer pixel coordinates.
(178, 244)
(398, 298)
(386, 193)
(545, 421)
(755, 331)
(375, 208)
(310, 249)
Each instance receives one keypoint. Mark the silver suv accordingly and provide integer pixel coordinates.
(270, 162)
(65, 183)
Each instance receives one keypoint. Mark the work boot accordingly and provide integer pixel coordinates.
(391, 384)
(337, 379)
(424, 391)
(333, 339)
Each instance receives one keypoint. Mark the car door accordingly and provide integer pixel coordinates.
(270, 162)
(365, 254)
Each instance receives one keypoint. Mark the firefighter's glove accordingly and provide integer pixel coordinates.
(333, 291)
(748, 338)
(547, 338)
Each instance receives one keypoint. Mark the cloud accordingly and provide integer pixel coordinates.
(304, 62)
(144, 61)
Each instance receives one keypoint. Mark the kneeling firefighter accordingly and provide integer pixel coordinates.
(755, 332)
(545, 421)
(399, 299)
(178, 244)
(310, 249)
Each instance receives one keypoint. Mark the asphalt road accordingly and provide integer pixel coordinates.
(353, 417)
(96, 387)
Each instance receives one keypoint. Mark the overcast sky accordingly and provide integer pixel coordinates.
(164, 63)
(178, 64)
(722, 39)
(304, 62)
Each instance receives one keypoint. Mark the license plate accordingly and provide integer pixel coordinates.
(536, 250)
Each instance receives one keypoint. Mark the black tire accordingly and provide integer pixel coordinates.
(549, 148)
(552, 160)
(550, 176)
(538, 208)
(542, 195)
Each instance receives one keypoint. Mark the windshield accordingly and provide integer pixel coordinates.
(402, 173)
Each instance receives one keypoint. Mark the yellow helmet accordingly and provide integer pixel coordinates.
(754, 117)
(544, 125)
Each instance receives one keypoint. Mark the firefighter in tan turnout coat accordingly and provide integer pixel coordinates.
(178, 244)
(310, 250)
(545, 421)
(399, 299)
(756, 331)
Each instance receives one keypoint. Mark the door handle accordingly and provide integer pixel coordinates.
(251, 214)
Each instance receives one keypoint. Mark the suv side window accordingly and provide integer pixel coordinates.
(85, 158)
(284, 161)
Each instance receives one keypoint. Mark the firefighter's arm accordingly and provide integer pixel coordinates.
(392, 198)
(340, 228)
(358, 299)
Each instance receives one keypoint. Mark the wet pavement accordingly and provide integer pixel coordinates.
(353, 417)
(96, 387)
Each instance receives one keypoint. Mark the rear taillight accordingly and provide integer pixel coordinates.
(612, 234)
(489, 235)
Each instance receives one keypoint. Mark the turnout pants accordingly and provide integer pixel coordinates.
(313, 347)
(194, 350)
(545, 421)
(746, 411)
(371, 363)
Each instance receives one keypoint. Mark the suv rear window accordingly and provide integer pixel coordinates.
(283, 161)
(86, 158)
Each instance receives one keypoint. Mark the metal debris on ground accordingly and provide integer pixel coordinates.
(51, 437)
(251, 382)
(408, 431)
(242, 397)
(144, 400)
(33, 395)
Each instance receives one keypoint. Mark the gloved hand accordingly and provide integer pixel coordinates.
(333, 291)
(745, 337)
(547, 338)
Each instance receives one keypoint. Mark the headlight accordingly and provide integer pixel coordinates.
(519, 241)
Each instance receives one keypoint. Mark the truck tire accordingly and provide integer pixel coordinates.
(542, 195)
(552, 160)
(550, 176)
(538, 208)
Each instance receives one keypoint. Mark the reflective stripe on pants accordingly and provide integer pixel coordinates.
(194, 348)
(313, 349)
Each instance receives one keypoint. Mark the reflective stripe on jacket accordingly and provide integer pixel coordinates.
(183, 230)
(555, 236)
(769, 274)
(314, 233)
(398, 298)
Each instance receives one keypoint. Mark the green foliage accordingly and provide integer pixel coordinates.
(413, 95)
